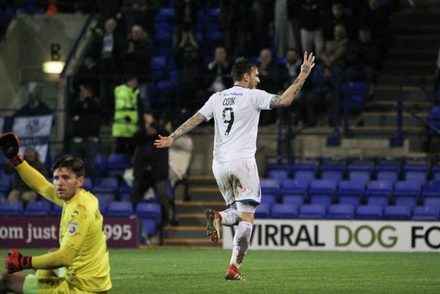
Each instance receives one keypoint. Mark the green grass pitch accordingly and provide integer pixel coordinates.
(165, 270)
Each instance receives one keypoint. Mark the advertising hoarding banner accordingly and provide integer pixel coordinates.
(42, 232)
(379, 236)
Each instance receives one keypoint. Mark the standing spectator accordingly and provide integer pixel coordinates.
(337, 16)
(262, 30)
(293, 64)
(86, 116)
(137, 53)
(236, 112)
(106, 46)
(377, 18)
(34, 106)
(186, 15)
(437, 78)
(339, 44)
(312, 38)
(218, 71)
(326, 80)
(140, 12)
(284, 34)
(234, 16)
(150, 165)
(20, 190)
(87, 73)
(189, 61)
(126, 115)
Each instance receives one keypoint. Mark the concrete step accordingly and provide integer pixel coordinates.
(424, 17)
(194, 206)
(392, 92)
(390, 119)
(398, 54)
(411, 67)
(184, 232)
(192, 242)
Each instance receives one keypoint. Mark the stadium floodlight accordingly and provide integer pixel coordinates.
(53, 67)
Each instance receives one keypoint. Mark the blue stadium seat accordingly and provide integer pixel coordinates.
(296, 200)
(165, 15)
(353, 200)
(354, 95)
(304, 171)
(269, 186)
(328, 187)
(56, 210)
(323, 199)
(312, 211)
(369, 212)
(435, 170)
(37, 208)
(100, 164)
(284, 211)
(434, 119)
(269, 199)
(119, 208)
(149, 211)
(11, 208)
(388, 172)
(397, 212)
(407, 188)
(360, 172)
(416, 172)
(292, 186)
(117, 164)
(106, 185)
(379, 200)
(340, 211)
(279, 175)
(432, 201)
(6, 182)
(332, 171)
(431, 189)
(88, 184)
(262, 211)
(426, 213)
(148, 228)
(379, 188)
(406, 201)
(351, 188)
(104, 199)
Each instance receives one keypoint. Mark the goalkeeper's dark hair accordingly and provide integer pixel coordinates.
(75, 164)
(241, 66)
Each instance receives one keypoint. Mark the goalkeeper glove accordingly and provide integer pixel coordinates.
(9, 144)
(15, 262)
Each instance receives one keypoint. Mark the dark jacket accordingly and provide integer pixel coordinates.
(148, 159)
(86, 118)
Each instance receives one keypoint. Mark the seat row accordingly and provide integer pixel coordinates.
(364, 172)
(405, 188)
(347, 212)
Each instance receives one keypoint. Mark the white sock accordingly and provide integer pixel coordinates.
(242, 240)
(229, 217)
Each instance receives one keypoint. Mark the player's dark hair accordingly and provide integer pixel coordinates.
(241, 66)
(75, 164)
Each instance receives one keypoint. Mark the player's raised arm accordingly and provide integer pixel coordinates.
(188, 125)
(290, 93)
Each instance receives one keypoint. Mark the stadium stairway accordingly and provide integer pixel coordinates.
(191, 231)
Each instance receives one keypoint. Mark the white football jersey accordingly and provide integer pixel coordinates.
(236, 113)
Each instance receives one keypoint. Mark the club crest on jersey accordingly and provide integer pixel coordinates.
(73, 228)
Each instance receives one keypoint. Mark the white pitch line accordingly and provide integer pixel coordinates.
(130, 277)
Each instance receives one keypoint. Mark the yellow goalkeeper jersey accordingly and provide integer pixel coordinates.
(81, 229)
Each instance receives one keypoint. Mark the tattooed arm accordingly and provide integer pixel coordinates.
(191, 123)
(290, 93)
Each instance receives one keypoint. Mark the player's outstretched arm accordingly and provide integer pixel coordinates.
(191, 123)
(290, 93)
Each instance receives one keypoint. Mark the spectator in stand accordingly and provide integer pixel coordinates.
(137, 53)
(186, 15)
(140, 12)
(126, 115)
(20, 190)
(363, 59)
(218, 71)
(377, 18)
(261, 31)
(293, 64)
(272, 77)
(106, 46)
(339, 44)
(337, 16)
(87, 73)
(189, 61)
(34, 106)
(283, 26)
(150, 165)
(312, 38)
(234, 16)
(86, 114)
(322, 97)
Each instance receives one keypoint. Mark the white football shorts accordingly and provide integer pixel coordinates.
(238, 182)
